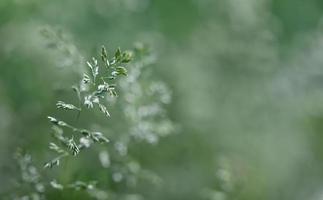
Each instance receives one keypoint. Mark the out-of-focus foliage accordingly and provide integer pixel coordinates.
(246, 81)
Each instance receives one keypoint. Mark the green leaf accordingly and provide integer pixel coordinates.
(86, 79)
(126, 56)
(66, 106)
(104, 110)
(117, 54)
(52, 163)
(112, 92)
(104, 53)
(56, 121)
(104, 56)
(56, 148)
(121, 70)
(94, 68)
(73, 147)
(102, 89)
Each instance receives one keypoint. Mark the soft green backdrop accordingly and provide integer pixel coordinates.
(246, 78)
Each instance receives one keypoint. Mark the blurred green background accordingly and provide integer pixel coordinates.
(246, 79)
